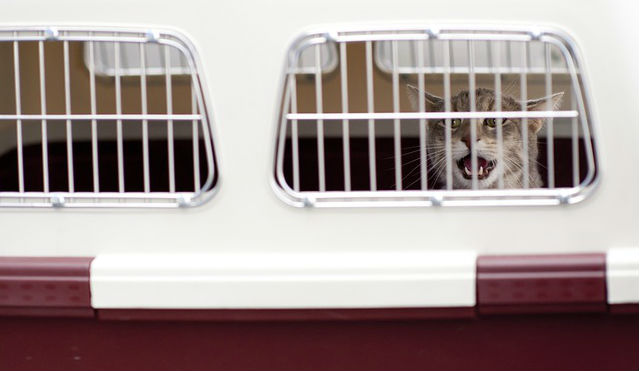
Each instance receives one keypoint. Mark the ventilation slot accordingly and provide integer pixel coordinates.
(421, 117)
(102, 117)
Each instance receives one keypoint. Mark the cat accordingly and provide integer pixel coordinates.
(488, 165)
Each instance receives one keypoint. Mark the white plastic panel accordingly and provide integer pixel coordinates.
(509, 61)
(129, 63)
(284, 280)
(245, 216)
(622, 275)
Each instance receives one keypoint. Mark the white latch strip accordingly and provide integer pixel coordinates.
(622, 275)
(284, 280)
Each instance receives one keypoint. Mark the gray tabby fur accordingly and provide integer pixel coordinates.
(512, 164)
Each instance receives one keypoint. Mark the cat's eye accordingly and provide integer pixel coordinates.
(491, 123)
(454, 123)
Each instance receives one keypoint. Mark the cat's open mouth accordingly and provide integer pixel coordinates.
(484, 167)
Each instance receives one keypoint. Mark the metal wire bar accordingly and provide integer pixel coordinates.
(100, 117)
(160, 198)
(523, 82)
(499, 120)
(492, 65)
(320, 123)
(281, 140)
(370, 100)
(169, 122)
(118, 111)
(196, 143)
(574, 143)
(345, 124)
(460, 193)
(141, 38)
(480, 36)
(550, 146)
(431, 52)
(16, 79)
(451, 53)
(509, 56)
(145, 123)
(43, 110)
(426, 115)
(294, 133)
(368, 36)
(473, 108)
(387, 34)
(528, 61)
(447, 123)
(423, 162)
(410, 70)
(411, 51)
(207, 134)
(67, 106)
(94, 124)
(397, 134)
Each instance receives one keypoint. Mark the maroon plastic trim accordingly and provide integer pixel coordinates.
(541, 283)
(285, 314)
(47, 312)
(566, 342)
(37, 286)
(624, 308)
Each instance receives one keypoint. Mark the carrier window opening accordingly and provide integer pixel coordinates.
(417, 117)
(96, 118)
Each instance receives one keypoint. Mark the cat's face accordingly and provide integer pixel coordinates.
(489, 166)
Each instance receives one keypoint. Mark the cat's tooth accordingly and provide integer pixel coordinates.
(467, 171)
(481, 170)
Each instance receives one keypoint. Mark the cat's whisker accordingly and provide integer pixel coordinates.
(404, 154)
(431, 152)
(439, 169)
(410, 172)
(438, 162)
(411, 161)
(413, 182)
(418, 178)
(428, 149)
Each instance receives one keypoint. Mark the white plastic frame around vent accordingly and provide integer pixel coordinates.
(120, 141)
(348, 108)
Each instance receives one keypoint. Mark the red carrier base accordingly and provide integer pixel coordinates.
(515, 342)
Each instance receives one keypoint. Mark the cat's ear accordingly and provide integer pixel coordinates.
(541, 104)
(432, 102)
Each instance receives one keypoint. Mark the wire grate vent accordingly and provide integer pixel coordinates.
(434, 116)
(102, 118)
